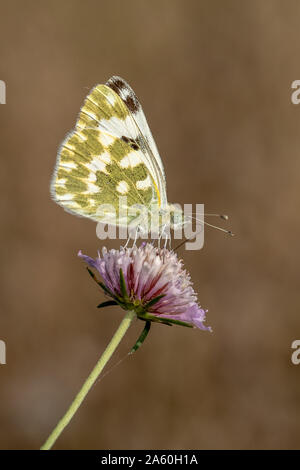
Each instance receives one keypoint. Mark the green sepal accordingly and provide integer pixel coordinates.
(107, 303)
(141, 338)
(180, 323)
(166, 321)
(123, 288)
(153, 301)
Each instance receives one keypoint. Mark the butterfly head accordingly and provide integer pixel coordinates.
(172, 216)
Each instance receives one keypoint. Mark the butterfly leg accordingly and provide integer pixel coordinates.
(162, 233)
(136, 235)
(167, 239)
(126, 244)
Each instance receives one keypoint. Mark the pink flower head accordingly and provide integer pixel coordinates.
(150, 281)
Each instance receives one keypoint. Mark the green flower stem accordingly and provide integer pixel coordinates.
(90, 380)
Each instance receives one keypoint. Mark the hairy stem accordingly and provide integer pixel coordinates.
(112, 346)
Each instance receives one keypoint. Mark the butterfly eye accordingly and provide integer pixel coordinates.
(176, 218)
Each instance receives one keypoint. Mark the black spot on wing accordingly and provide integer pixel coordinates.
(133, 144)
(125, 92)
(116, 84)
(132, 104)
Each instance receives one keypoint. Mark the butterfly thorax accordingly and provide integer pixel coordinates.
(156, 220)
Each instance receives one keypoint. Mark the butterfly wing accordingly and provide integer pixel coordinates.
(104, 158)
(126, 93)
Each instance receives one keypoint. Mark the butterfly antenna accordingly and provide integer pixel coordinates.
(229, 232)
(222, 216)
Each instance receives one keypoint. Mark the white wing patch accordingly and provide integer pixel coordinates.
(92, 188)
(131, 160)
(115, 127)
(68, 166)
(144, 184)
(122, 187)
(106, 139)
(97, 164)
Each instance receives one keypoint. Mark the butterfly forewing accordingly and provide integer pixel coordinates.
(155, 165)
(126, 93)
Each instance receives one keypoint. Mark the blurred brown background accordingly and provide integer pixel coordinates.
(215, 80)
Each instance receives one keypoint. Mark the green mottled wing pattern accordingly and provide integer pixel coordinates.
(151, 154)
(102, 159)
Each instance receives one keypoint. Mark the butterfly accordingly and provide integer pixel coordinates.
(108, 167)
